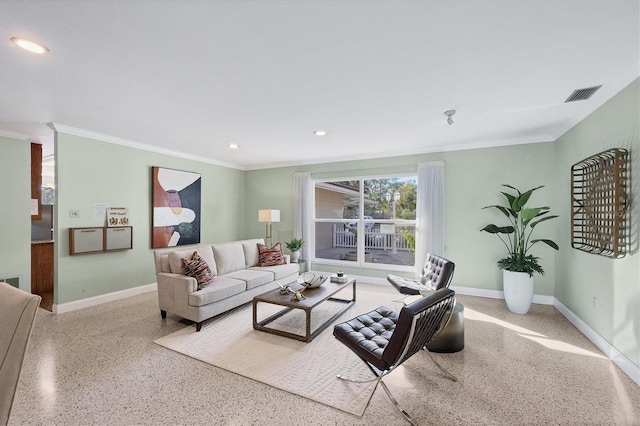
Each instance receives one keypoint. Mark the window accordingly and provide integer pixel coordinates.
(366, 222)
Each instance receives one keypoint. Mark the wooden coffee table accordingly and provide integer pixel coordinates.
(314, 297)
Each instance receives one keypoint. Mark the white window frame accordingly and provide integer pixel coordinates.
(360, 248)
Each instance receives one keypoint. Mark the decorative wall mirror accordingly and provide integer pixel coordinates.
(599, 203)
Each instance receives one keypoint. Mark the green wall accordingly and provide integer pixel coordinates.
(90, 171)
(15, 205)
(614, 283)
(473, 180)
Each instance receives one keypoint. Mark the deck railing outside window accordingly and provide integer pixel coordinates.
(374, 239)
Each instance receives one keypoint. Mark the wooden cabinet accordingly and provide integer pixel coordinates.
(99, 239)
(36, 178)
(41, 267)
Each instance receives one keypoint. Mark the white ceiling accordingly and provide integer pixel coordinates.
(193, 76)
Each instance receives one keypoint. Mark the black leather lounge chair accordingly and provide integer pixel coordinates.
(384, 339)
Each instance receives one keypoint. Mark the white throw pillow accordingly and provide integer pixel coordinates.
(229, 257)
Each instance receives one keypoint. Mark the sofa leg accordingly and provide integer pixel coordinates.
(163, 314)
(198, 326)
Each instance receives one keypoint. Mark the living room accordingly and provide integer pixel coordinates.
(599, 294)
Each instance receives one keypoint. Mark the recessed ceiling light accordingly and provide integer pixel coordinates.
(234, 146)
(30, 45)
(320, 133)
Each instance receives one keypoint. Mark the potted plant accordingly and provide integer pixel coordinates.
(518, 266)
(294, 245)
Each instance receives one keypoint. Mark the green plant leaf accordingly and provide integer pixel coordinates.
(547, 242)
(533, 225)
(528, 264)
(294, 244)
(524, 198)
(493, 229)
(512, 187)
(504, 210)
(513, 202)
(528, 214)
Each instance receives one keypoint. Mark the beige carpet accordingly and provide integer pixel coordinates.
(306, 369)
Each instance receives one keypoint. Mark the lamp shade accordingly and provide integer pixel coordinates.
(269, 215)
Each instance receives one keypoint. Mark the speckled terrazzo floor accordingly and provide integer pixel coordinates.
(100, 366)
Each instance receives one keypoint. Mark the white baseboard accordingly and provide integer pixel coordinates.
(103, 298)
(628, 367)
(480, 292)
(538, 299)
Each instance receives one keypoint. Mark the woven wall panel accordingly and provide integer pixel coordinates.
(598, 203)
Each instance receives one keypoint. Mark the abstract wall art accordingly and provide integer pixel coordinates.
(176, 207)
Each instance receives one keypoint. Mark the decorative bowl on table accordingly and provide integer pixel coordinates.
(313, 280)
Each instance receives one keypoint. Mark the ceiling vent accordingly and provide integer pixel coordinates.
(582, 94)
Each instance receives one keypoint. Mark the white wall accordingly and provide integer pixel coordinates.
(15, 210)
(603, 292)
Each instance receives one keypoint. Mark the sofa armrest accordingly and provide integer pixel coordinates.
(287, 258)
(174, 291)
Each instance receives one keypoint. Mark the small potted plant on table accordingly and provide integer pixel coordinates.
(294, 245)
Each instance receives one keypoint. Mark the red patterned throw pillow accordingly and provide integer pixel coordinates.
(197, 268)
(270, 256)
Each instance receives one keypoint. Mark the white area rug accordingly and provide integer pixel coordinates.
(306, 369)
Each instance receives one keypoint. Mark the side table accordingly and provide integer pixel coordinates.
(451, 339)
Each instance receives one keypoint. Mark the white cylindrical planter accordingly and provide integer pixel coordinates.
(518, 291)
(295, 256)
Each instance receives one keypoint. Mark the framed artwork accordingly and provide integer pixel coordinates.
(176, 207)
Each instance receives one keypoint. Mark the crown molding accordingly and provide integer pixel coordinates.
(61, 128)
(409, 152)
(14, 135)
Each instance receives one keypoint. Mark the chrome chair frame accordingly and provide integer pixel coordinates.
(414, 327)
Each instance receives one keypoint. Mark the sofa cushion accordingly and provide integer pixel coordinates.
(197, 268)
(162, 262)
(253, 277)
(219, 289)
(229, 257)
(270, 256)
(280, 271)
(250, 248)
(176, 256)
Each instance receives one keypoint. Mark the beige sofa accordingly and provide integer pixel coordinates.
(237, 278)
(17, 315)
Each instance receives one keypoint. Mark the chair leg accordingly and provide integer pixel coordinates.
(446, 373)
(378, 380)
(395, 404)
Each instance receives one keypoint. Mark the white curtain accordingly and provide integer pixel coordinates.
(430, 212)
(302, 213)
